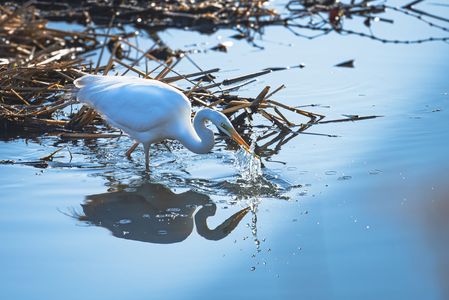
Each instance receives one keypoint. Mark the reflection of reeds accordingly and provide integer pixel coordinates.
(322, 17)
(39, 65)
(204, 16)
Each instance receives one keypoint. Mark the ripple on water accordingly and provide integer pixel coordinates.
(222, 172)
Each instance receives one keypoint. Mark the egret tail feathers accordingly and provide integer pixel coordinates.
(86, 80)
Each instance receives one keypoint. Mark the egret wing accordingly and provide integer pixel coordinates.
(132, 103)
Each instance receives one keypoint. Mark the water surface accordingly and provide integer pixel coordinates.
(362, 214)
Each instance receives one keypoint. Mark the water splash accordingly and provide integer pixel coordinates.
(248, 164)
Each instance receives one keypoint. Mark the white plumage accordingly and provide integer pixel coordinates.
(137, 106)
(151, 111)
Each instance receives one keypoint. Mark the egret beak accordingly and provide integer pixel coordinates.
(232, 133)
(236, 137)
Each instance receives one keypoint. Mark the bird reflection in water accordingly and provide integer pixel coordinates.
(154, 214)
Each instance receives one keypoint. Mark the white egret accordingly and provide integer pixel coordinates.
(150, 111)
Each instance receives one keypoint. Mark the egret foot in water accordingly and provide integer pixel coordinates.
(146, 148)
(131, 149)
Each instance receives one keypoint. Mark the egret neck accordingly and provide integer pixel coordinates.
(198, 138)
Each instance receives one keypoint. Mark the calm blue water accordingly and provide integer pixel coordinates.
(369, 220)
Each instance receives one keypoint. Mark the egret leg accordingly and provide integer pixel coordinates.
(147, 157)
(131, 149)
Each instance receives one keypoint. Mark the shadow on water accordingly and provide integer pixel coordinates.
(153, 213)
(144, 207)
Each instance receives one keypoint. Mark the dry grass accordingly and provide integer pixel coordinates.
(38, 66)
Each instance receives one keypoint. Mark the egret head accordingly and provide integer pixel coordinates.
(224, 125)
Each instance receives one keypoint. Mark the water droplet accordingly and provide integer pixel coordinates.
(174, 209)
(253, 269)
(375, 172)
(124, 221)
